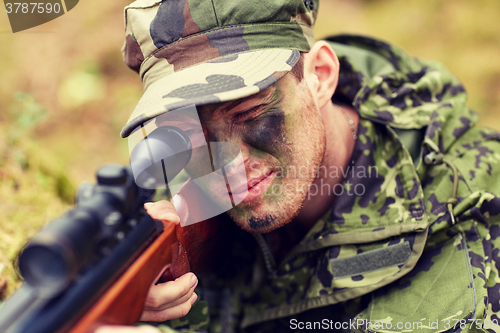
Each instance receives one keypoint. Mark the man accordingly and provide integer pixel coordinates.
(392, 225)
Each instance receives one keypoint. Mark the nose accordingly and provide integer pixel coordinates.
(229, 156)
(245, 151)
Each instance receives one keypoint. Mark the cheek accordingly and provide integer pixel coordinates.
(268, 133)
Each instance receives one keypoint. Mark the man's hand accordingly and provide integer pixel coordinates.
(167, 300)
(172, 299)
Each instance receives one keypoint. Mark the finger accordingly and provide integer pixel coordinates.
(177, 311)
(161, 305)
(169, 293)
(162, 210)
(127, 329)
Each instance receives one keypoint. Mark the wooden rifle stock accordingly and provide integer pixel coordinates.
(123, 302)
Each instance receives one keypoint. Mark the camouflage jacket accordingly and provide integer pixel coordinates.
(411, 245)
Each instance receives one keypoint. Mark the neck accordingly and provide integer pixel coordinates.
(339, 146)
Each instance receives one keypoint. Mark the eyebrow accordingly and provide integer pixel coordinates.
(224, 109)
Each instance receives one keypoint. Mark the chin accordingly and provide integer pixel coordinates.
(263, 220)
(259, 225)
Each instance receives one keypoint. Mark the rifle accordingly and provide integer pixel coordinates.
(77, 268)
(96, 263)
(105, 253)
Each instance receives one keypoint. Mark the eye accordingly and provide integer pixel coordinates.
(246, 115)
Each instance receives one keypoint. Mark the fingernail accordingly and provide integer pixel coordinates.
(148, 205)
(169, 216)
(194, 298)
(194, 279)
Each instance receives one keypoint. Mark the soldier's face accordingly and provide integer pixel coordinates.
(282, 139)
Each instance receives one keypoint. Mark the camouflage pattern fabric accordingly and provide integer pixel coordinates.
(394, 254)
(199, 52)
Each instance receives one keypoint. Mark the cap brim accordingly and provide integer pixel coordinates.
(223, 79)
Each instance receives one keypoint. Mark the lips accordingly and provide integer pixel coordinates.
(253, 188)
(249, 184)
(255, 181)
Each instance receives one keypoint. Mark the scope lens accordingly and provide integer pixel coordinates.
(44, 266)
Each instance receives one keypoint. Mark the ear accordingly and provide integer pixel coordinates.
(321, 71)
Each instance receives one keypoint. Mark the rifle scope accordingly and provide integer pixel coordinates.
(105, 212)
(56, 254)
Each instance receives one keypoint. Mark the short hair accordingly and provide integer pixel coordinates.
(298, 69)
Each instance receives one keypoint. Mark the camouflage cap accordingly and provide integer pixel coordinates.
(200, 52)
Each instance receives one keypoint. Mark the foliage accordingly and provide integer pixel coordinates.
(31, 192)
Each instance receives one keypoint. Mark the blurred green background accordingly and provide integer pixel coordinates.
(65, 93)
